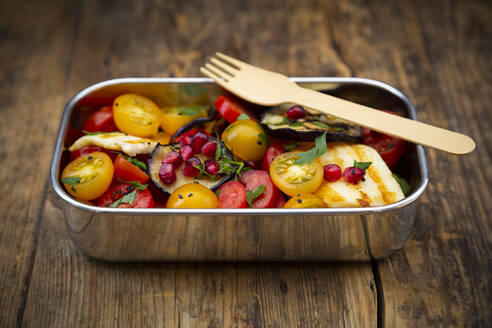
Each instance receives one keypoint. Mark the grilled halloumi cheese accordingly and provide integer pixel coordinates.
(130, 145)
(379, 187)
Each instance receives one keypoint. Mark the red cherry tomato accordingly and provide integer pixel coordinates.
(280, 200)
(102, 120)
(126, 171)
(143, 198)
(390, 148)
(96, 101)
(232, 194)
(230, 109)
(90, 149)
(254, 178)
(273, 151)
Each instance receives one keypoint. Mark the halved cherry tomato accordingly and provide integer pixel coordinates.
(273, 151)
(175, 117)
(305, 201)
(143, 198)
(192, 195)
(390, 148)
(89, 176)
(245, 139)
(126, 171)
(102, 120)
(255, 178)
(230, 109)
(280, 200)
(90, 149)
(232, 194)
(136, 115)
(295, 179)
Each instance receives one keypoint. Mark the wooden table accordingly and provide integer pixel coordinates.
(437, 52)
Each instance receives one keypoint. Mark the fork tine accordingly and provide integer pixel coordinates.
(231, 60)
(224, 66)
(213, 76)
(217, 72)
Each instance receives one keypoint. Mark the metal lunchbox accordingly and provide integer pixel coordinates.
(274, 234)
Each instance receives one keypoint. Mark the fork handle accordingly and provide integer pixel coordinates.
(403, 128)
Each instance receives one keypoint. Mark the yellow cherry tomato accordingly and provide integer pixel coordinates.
(295, 179)
(88, 176)
(136, 115)
(175, 117)
(245, 139)
(161, 138)
(305, 201)
(192, 195)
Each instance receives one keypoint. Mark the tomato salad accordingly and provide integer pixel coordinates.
(135, 154)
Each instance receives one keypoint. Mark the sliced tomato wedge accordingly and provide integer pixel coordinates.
(230, 109)
(90, 149)
(126, 171)
(143, 198)
(254, 178)
(273, 151)
(390, 148)
(232, 194)
(102, 120)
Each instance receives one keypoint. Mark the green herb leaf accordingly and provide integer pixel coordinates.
(202, 171)
(217, 192)
(263, 138)
(87, 133)
(190, 110)
(320, 124)
(71, 181)
(405, 187)
(136, 184)
(218, 150)
(135, 162)
(296, 124)
(284, 121)
(339, 129)
(243, 117)
(319, 149)
(362, 165)
(126, 199)
(252, 195)
(290, 146)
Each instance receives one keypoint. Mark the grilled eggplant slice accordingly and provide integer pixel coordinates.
(277, 125)
(155, 161)
(196, 123)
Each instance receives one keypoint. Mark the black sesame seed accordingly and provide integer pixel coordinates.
(148, 143)
(190, 194)
(116, 104)
(180, 196)
(298, 195)
(299, 201)
(196, 182)
(259, 142)
(90, 157)
(107, 204)
(363, 179)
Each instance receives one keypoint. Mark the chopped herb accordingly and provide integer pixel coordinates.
(290, 146)
(252, 195)
(87, 133)
(243, 117)
(405, 187)
(362, 165)
(320, 124)
(135, 162)
(191, 110)
(284, 121)
(71, 181)
(228, 166)
(127, 199)
(201, 168)
(296, 124)
(318, 150)
(263, 138)
(218, 150)
(217, 192)
(136, 184)
(339, 129)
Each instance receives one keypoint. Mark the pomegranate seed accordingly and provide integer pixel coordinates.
(251, 165)
(174, 158)
(198, 140)
(296, 112)
(332, 172)
(167, 173)
(209, 148)
(212, 167)
(186, 152)
(189, 170)
(185, 140)
(353, 174)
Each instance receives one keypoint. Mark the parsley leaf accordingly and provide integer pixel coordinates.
(318, 150)
(296, 124)
(217, 192)
(405, 187)
(135, 184)
(243, 117)
(202, 171)
(87, 133)
(218, 150)
(362, 165)
(252, 195)
(126, 199)
(71, 181)
(290, 146)
(190, 110)
(284, 121)
(135, 162)
(263, 138)
(320, 124)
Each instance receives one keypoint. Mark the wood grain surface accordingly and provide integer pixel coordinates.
(436, 52)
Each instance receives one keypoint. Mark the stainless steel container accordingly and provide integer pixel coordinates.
(159, 234)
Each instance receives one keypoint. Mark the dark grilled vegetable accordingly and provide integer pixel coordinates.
(314, 124)
(155, 162)
(196, 123)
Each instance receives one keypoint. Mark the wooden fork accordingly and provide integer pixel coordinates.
(268, 88)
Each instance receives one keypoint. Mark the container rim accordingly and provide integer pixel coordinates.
(54, 168)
